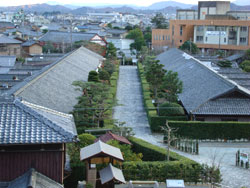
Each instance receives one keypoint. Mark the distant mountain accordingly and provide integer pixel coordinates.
(40, 8)
(164, 4)
(241, 2)
(83, 10)
(235, 7)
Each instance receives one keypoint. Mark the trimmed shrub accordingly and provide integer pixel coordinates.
(212, 130)
(152, 152)
(245, 65)
(224, 63)
(78, 173)
(93, 76)
(162, 170)
(156, 122)
(104, 75)
(171, 109)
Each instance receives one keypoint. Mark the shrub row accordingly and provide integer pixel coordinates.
(152, 152)
(211, 130)
(154, 167)
(162, 170)
(153, 119)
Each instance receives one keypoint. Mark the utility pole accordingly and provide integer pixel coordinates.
(190, 46)
(219, 39)
(71, 34)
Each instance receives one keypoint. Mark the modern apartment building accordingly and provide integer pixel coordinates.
(213, 26)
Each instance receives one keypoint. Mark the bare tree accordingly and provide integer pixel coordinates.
(170, 137)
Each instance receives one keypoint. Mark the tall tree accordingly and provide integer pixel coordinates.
(171, 86)
(92, 104)
(137, 35)
(111, 50)
(160, 21)
(154, 75)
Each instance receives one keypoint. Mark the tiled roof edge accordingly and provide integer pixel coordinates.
(49, 123)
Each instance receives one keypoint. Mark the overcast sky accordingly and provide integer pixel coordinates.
(91, 2)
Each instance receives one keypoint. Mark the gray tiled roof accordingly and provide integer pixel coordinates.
(6, 40)
(52, 86)
(116, 31)
(225, 106)
(6, 25)
(60, 37)
(29, 43)
(28, 32)
(7, 61)
(200, 84)
(33, 179)
(26, 123)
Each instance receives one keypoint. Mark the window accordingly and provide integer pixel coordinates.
(162, 37)
(243, 40)
(181, 30)
(243, 29)
(229, 119)
(206, 39)
(210, 28)
(3, 48)
(172, 30)
(200, 28)
(156, 37)
(167, 37)
(159, 37)
(199, 38)
(225, 40)
(15, 51)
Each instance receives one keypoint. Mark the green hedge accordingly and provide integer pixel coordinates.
(154, 120)
(152, 152)
(212, 130)
(154, 166)
(160, 171)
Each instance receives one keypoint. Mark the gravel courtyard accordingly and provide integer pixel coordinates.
(131, 111)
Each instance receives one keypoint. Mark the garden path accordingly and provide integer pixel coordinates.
(131, 111)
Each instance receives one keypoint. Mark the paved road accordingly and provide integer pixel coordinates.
(131, 109)
(132, 112)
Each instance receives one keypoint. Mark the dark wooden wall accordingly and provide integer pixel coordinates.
(15, 162)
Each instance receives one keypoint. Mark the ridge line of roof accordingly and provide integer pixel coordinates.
(29, 80)
(44, 120)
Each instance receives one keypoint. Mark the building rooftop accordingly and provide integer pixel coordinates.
(31, 179)
(60, 37)
(52, 86)
(202, 85)
(100, 148)
(6, 40)
(26, 123)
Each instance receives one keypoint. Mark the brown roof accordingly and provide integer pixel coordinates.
(111, 136)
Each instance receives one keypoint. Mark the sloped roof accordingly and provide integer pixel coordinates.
(100, 148)
(111, 173)
(225, 106)
(32, 179)
(200, 84)
(28, 32)
(26, 123)
(6, 25)
(30, 43)
(6, 40)
(52, 86)
(7, 61)
(60, 37)
(111, 136)
(116, 31)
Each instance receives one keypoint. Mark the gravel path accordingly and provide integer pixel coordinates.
(132, 112)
